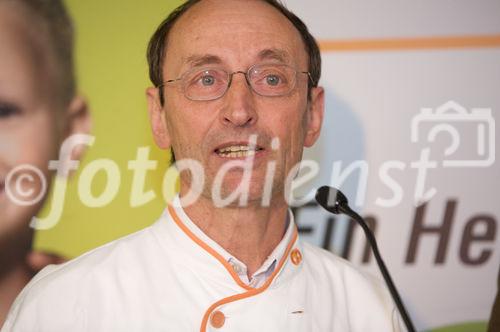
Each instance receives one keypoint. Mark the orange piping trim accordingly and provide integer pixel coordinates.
(478, 41)
(251, 292)
(207, 248)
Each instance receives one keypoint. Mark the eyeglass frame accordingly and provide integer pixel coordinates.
(230, 75)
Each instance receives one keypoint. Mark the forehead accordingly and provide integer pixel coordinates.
(237, 32)
(21, 53)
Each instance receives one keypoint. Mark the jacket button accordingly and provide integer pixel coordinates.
(296, 256)
(217, 319)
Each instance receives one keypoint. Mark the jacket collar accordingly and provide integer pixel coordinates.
(196, 247)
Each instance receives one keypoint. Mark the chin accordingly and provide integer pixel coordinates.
(235, 194)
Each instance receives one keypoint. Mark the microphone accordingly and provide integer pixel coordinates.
(334, 201)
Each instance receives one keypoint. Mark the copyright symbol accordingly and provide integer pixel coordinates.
(17, 192)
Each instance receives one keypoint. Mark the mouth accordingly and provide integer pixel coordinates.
(237, 151)
(2, 187)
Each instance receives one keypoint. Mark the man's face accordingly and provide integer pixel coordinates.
(28, 130)
(235, 35)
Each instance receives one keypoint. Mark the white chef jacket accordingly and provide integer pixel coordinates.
(166, 278)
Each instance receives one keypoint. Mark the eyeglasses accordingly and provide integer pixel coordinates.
(269, 80)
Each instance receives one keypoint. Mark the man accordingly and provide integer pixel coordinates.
(236, 93)
(38, 110)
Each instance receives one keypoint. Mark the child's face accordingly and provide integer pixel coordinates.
(30, 120)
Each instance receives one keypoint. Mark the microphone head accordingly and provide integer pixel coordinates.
(331, 199)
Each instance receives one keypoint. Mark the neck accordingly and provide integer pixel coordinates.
(248, 233)
(11, 284)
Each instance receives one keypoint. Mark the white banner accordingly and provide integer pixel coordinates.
(409, 136)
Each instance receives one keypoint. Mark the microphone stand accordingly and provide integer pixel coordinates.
(341, 205)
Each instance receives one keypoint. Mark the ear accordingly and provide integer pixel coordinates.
(315, 114)
(78, 121)
(157, 118)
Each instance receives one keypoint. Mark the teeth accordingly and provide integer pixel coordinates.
(236, 152)
(235, 148)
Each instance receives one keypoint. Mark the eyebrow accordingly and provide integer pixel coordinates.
(274, 54)
(210, 59)
(202, 60)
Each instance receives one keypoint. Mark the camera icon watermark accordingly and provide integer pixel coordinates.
(471, 133)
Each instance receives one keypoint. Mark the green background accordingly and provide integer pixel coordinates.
(464, 327)
(112, 72)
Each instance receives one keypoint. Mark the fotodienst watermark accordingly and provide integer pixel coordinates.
(20, 182)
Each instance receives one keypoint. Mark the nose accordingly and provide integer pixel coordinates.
(239, 106)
